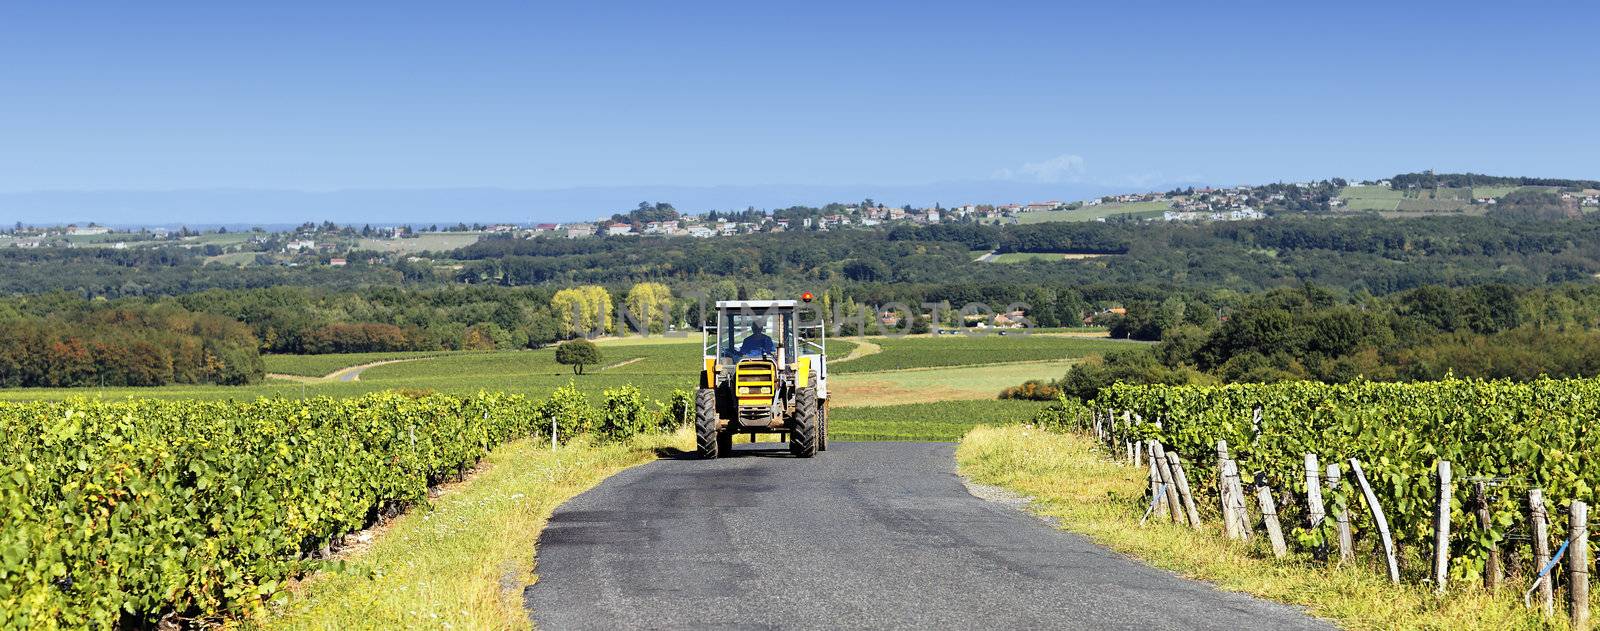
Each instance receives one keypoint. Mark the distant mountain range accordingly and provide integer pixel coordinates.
(211, 207)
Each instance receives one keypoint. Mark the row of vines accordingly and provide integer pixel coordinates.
(1509, 436)
(115, 513)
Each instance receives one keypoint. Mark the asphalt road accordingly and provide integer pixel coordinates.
(865, 535)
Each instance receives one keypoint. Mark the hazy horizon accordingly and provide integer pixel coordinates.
(470, 205)
(184, 112)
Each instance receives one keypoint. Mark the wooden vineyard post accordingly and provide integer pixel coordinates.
(1540, 520)
(1230, 525)
(1441, 530)
(1378, 518)
(1157, 494)
(1347, 542)
(1158, 458)
(1578, 565)
(1184, 491)
(1492, 572)
(1269, 518)
(1314, 510)
(1241, 515)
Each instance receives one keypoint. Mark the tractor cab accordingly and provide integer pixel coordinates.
(764, 371)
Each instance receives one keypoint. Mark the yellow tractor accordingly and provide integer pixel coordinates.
(765, 372)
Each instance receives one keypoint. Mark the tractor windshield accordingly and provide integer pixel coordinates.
(748, 335)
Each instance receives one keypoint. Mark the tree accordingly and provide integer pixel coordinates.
(582, 310)
(577, 354)
(651, 305)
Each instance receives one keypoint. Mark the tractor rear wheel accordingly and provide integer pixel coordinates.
(822, 428)
(803, 431)
(706, 441)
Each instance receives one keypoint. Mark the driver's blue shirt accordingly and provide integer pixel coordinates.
(756, 345)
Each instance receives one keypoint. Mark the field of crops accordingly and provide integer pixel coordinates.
(1371, 197)
(937, 421)
(432, 241)
(938, 371)
(1432, 205)
(321, 365)
(1492, 191)
(655, 368)
(894, 387)
(194, 508)
(1512, 436)
(971, 350)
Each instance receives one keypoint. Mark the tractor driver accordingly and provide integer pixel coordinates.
(757, 344)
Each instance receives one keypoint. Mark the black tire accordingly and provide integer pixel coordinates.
(803, 428)
(706, 441)
(822, 427)
(725, 444)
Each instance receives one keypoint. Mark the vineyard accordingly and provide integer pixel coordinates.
(1502, 440)
(116, 513)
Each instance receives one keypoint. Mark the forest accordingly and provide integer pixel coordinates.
(65, 343)
(1236, 285)
(1312, 333)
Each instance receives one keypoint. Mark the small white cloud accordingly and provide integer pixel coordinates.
(1062, 168)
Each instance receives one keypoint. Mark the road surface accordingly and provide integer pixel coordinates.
(865, 535)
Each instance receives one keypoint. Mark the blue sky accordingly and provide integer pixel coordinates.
(302, 96)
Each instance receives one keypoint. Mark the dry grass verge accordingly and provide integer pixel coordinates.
(1086, 493)
(463, 563)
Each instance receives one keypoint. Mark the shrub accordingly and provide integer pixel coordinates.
(570, 407)
(1031, 390)
(679, 411)
(1067, 413)
(622, 414)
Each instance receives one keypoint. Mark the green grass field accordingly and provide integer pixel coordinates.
(938, 421)
(227, 238)
(320, 365)
(1091, 213)
(656, 366)
(1492, 191)
(970, 350)
(916, 388)
(892, 387)
(1371, 198)
(428, 242)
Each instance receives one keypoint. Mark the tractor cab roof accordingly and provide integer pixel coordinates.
(757, 304)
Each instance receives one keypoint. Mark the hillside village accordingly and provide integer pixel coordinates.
(328, 244)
